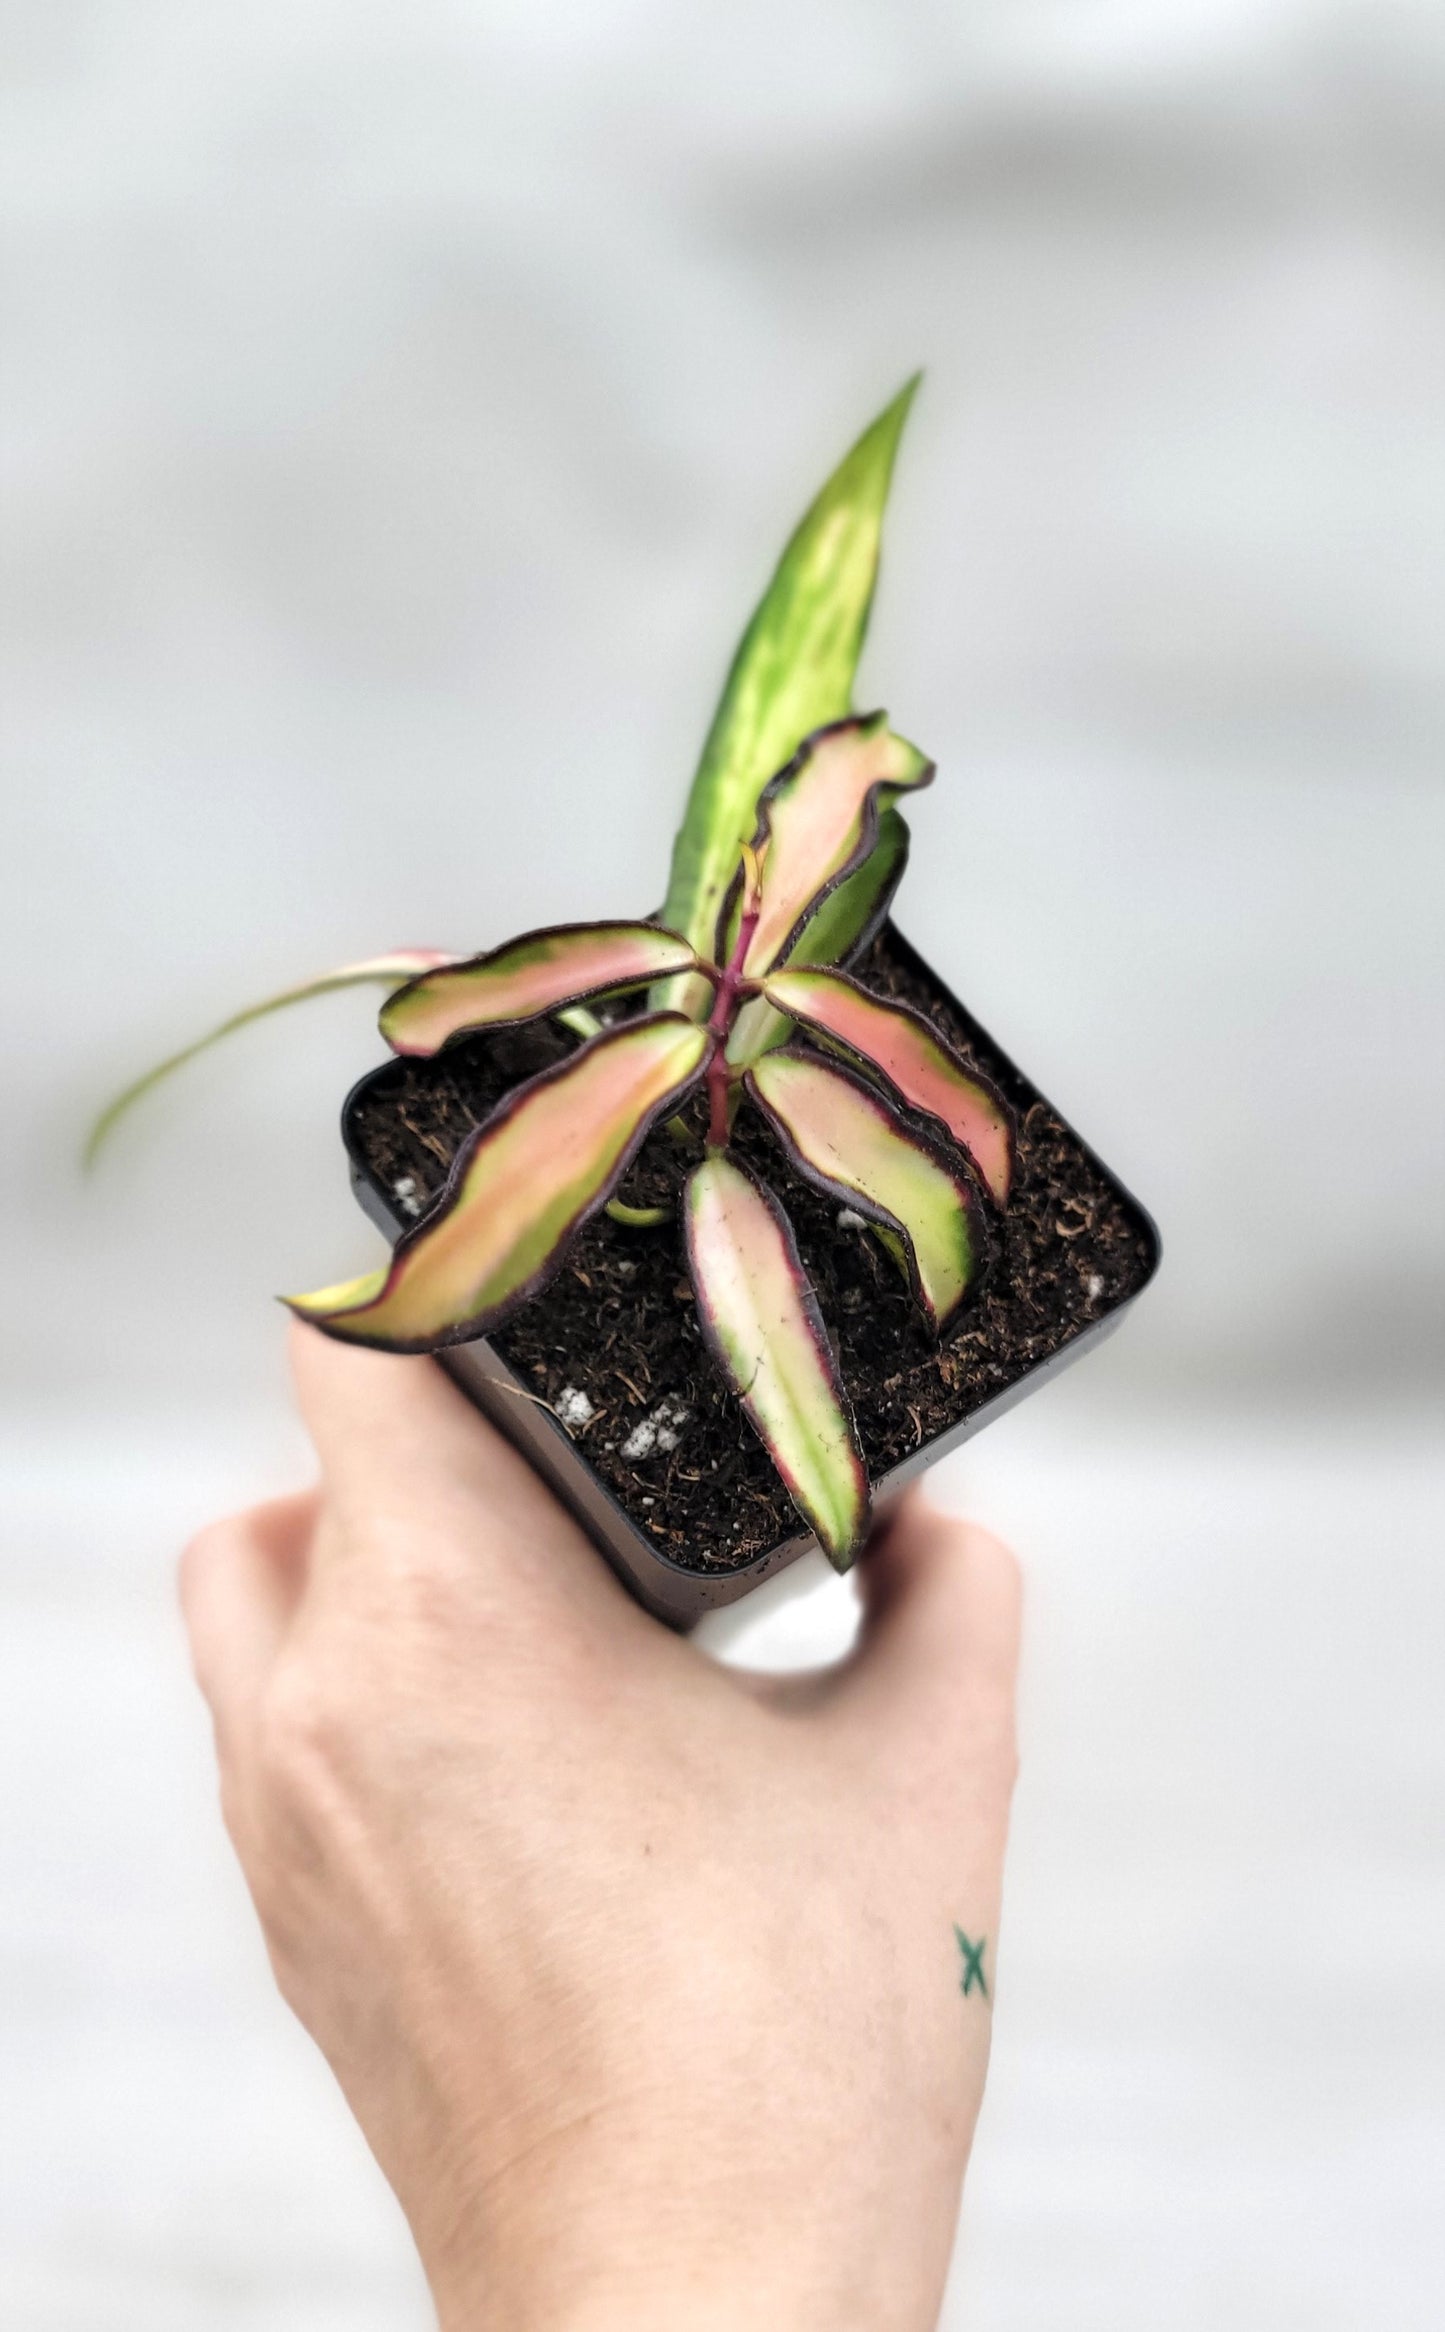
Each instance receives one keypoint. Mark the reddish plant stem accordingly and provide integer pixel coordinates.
(720, 1021)
(718, 1128)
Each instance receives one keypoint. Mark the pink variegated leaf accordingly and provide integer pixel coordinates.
(548, 1156)
(841, 1135)
(818, 821)
(855, 909)
(842, 927)
(912, 1056)
(762, 1325)
(390, 971)
(537, 973)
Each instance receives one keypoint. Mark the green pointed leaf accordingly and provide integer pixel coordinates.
(536, 973)
(792, 672)
(818, 824)
(912, 1056)
(389, 971)
(546, 1158)
(841, 1135)
(762, 1324)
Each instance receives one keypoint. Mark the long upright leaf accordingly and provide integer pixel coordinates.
(793, 671)
(536, 973)
(546, 1158)
(387, 970)
(761, 1320)
(818, 823)
(843, 1137)
(912, 1056)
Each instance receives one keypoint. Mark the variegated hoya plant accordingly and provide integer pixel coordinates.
(788, 856)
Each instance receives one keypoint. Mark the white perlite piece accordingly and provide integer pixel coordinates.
(661, 1431)
(572, 1407)
(850, 1220)
(405, 1192)
(1094, 1286)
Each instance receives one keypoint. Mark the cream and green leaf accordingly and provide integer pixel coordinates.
(855, 908)
(818, 822)
(841, 1134)
(761, 1320)
(792, 673)
(925, 1071)
(541, 972)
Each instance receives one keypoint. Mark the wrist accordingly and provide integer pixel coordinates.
(646, 2279)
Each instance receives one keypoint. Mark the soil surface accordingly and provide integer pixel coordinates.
(612, 1343)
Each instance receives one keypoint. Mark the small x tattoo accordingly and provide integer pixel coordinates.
(972, 1962)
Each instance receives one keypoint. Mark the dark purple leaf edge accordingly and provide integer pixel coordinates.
(482, 1323)
(928, 1136)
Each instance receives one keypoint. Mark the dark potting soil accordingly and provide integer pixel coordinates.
(617, 1324)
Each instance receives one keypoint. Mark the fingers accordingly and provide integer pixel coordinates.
(393, 1429)
(938, 1656)
(410, 1465)
(384, 1416)
(939, 1592)
(240, 1582)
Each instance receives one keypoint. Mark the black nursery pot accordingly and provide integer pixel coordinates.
(602, 1380)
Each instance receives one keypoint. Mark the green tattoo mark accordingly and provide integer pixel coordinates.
(972, 1962)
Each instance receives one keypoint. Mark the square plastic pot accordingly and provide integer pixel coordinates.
(675, 1594)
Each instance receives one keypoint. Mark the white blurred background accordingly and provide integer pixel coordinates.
(403, 407)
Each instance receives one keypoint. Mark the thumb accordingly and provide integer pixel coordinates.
(240, 1583)
(937, 1658)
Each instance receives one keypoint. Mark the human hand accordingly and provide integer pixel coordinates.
(641, 1976)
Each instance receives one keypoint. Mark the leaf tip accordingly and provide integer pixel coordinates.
(888, 428)
(102, 1127)
(93, 1144)
(323, 1306)
(903, 402)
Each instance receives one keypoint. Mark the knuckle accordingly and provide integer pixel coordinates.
(197, 1560)
(986, 1546)
(429, 1599)
(435, 1612)
(302, 1730)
